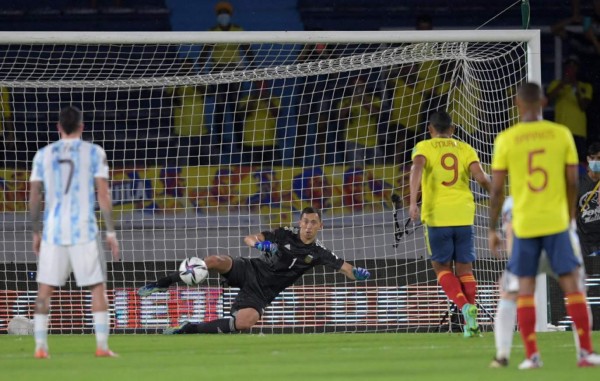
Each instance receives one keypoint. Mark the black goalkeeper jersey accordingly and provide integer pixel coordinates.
(293, 258)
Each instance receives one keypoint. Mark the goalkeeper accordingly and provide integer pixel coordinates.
(289, 252)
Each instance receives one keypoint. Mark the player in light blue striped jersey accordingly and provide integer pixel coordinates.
(66, 175)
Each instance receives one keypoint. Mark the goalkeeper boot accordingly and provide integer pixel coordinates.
(588, 359)
(150, 289)
(469, 312)
(181, 329)
(532, 362)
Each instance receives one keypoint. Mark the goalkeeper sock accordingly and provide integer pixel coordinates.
(451, 286)
(577, 309)
(167, 281)
(225, 325)
(40, 331)
(469, 287)
(101, 329)
(526, 317)
(504, 327)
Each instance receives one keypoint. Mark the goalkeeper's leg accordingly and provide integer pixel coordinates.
(221, 263)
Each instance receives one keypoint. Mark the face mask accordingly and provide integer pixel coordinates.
(223, 19)
(594, 166)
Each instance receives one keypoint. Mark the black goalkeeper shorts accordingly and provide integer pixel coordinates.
(243, 275)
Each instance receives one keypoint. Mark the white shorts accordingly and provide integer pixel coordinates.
(86, 260)
(509, 282)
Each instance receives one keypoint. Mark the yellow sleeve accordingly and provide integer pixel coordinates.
(420, 149)
(572, 157)
(552, 86)
(471, 155)
(499, 157)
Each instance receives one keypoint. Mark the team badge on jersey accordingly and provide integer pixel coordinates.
(308, 259)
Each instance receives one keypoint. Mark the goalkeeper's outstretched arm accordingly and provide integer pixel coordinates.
(354, 273)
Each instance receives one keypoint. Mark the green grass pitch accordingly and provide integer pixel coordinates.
(327, 357)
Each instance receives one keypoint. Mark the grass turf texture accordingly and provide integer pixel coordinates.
(287, 357)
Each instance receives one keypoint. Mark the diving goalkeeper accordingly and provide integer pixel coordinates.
(289, 252)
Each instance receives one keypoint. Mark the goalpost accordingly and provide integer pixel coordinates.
(213, 136)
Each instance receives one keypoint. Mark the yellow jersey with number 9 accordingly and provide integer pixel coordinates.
(446, 196)
(535, 155)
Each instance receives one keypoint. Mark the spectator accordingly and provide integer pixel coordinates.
(360, 112)
(572, 98)
(260, 111)
(189, 125)
(314, 101)
(7, 130)
(588, 204)
(580, 35)
(428, 70)
(405, 117)
(226, 57)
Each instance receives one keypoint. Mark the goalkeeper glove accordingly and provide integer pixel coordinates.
(360, 273)
(266, 246)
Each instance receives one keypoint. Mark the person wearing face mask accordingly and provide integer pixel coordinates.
(223, 58)
(588, 204)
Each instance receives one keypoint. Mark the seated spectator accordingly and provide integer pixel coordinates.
(572, 97)
(359, 114)
(260, 111)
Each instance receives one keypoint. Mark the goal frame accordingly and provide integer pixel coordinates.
(530, 37)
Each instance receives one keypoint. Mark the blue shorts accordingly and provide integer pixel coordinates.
(561, 252)
(451, 243)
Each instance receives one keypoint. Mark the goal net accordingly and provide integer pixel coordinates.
(214, 136)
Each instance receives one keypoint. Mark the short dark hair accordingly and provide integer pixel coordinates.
(441, 121)
(530, 92)
(70, 118)
(593, 149)
(311, 210)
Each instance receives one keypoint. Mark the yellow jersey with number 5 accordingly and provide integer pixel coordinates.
(446, 196)
(535, 155)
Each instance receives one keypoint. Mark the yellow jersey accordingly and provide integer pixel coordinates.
(188, 115)
(567, 110)
(447, 199)
(362, 123)
(225, 55)
(535, 155)
(406, 103)
(260, 126)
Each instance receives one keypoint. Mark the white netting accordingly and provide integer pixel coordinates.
(211, 142)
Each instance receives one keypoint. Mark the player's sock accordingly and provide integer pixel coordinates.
(167, 281)
(40, 331)
(451, 286)
(504, 327)
(225, 325)
(101, 329)
(577, 309)
(526, 318)
(469, 287)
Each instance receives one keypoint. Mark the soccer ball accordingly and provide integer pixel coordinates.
(20, 325)
(193, 271)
